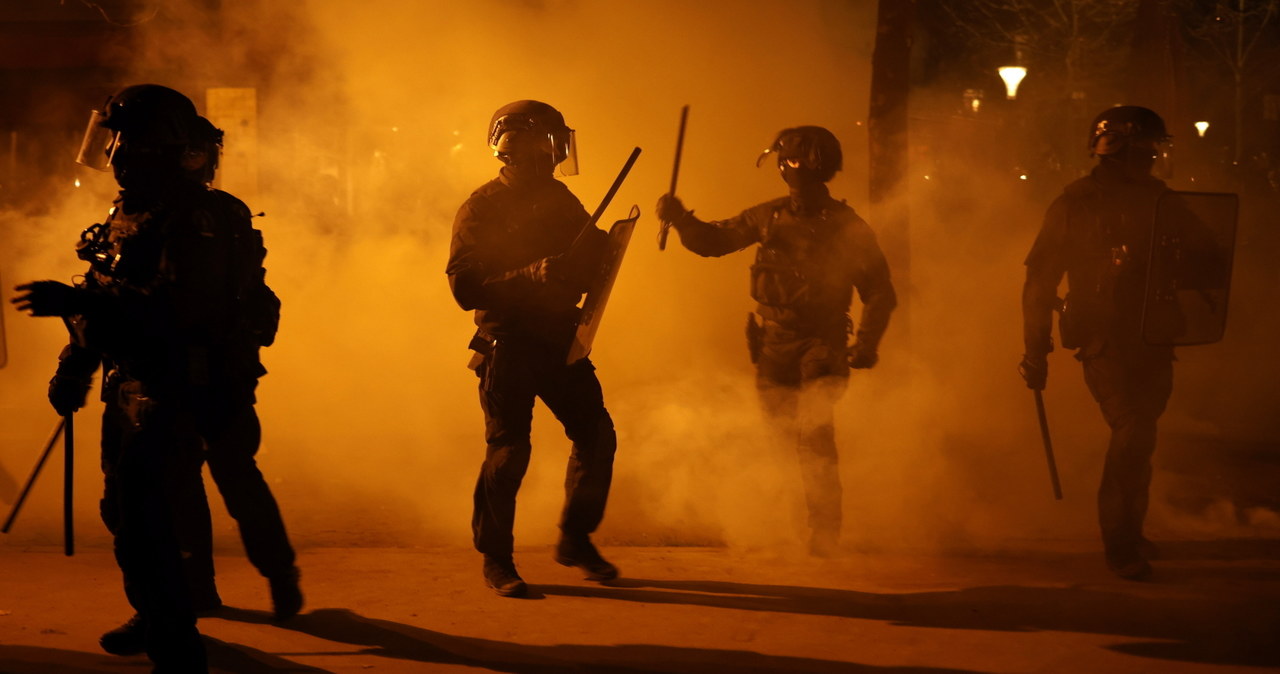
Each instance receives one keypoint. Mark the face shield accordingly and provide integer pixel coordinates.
(569, 149)
(801, 158)
(1111, 137)
(522, 134)
(796, 151)
(99, 145)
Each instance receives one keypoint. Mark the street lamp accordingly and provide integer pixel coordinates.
(1012, 76)
(972, 100)
(1201, 127)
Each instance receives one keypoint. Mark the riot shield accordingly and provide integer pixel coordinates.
(1189, 273)
(598, 294)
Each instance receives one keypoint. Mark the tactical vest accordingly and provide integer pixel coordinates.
(129, 257)
(802, 266)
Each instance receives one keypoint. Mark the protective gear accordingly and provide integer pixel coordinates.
(670, 208)
(862, 358)
(806, 155)
(495, 234)
(127, 639)
(601, 275)
(151, 130)
(68, 394)
(579, 551)
(1035, 371)
(501, 576)
(575, 267)
(1189, 277)
(814, 252)
(1116, 128)
(1098, 235)
(286, 594)
(527, 130)
(50, 298)
(524, 334)
(547, 270)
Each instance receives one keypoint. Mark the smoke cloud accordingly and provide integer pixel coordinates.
(370, 127)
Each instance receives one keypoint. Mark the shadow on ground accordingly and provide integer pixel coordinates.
(388, 639)
(1205, 628)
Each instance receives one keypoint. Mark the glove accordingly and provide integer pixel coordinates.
(576, 267)
(670, 209)
(68, 393)
(49, 298)
(862, 358)
(1035, 370)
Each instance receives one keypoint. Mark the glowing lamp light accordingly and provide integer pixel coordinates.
(1201, 127)
(1012, 76)
(78, 180)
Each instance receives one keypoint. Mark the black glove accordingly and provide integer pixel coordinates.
(862, 358)
(68, 393)
(576, 267)
(670, 209)
(1035, 370)
(49, 298)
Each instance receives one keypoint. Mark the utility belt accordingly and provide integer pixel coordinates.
(837, 326)
(482, 344)
(808, 325)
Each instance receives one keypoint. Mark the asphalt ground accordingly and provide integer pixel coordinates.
(1212, 606)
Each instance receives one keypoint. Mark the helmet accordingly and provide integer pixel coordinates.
(533, 126)
(145, 115)
(1114, 128)
(809, 148)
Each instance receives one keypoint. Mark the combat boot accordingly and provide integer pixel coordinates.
(286, 594)
(500, 574)
(127, 639)
(580, 552)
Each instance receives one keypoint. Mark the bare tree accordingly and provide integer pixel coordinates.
(1069, 42)
(1236, 32)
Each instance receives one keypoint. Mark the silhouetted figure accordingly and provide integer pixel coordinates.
(174, 306)
(814, 251)
(514, 261)
(1098, 234)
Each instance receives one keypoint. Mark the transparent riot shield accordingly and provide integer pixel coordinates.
(1189, 274)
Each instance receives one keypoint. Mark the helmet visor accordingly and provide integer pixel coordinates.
(567, 154)
(99, 144)
(795, 151)
(1110, 137)
(521, 133)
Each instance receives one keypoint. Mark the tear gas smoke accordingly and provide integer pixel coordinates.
(366, 147)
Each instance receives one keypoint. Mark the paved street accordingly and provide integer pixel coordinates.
(1212, 607)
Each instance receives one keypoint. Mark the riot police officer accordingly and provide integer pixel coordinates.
(814, 252)
(175, 307)
(522, 256)
(1097, 234)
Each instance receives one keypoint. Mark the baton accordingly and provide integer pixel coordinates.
(68, 522)
(1048, 445)
(35, 472)
(608, 196)
(665, 228)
